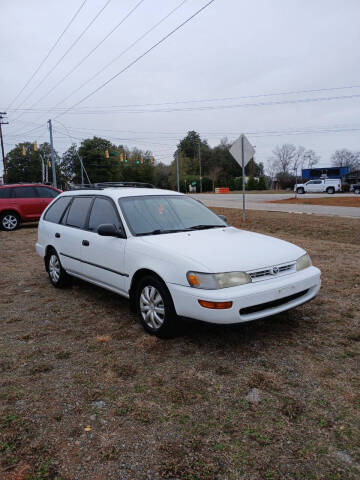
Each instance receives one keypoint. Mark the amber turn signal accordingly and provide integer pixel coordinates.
(215, 305)
(193, 280)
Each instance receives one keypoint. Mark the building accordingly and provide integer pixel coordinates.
(352, 177)
(324, 172)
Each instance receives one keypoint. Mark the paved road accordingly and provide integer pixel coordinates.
(259, 202)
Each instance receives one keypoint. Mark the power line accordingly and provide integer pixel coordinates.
(139, 57)
(206, 100)
(218, 107)
(90, 53)
(67, 51)
(112, 110)
(49, 52)
(123, 52)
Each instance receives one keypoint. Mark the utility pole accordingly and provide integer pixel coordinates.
(243, 177)
(200, 167)
(52, 155)
(2, 142)
(177, 170)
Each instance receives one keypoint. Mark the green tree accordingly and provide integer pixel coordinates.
(161, 175)
(98, 167)
(28, 167)
(252, 184)
(70, 164)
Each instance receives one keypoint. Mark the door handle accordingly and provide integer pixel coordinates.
(86, 243)
(57, 235)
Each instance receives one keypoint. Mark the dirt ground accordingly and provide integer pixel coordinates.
(331, 201)
(86, 394)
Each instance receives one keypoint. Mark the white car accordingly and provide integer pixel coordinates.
(328, 185)
(172, 257)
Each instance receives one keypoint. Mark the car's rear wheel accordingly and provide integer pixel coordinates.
(155, 308)
(357, 191)
(9, 221)
(300, 190)
(330, 190)
(58, 276)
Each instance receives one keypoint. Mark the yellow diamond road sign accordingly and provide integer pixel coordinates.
(236, 150)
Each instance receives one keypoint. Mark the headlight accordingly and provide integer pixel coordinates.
(303, 262)
(214, 281)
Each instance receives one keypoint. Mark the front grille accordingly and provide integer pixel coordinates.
(273, 304)
(266, 273)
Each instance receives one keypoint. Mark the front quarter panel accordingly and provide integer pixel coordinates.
(168, 266)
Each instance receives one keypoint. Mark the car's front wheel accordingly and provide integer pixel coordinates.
(9, 221)
(300, 190)
(357, 191)
(155, 308)
(58, 276)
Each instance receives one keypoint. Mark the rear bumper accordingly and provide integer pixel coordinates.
(40, 250)
(251, 301)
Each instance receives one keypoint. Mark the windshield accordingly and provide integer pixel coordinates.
(156, 214)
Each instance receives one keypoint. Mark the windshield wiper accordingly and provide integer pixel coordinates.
(204, 227)
(159, 232)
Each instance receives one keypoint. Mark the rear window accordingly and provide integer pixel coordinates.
(46, 192)
(5, 192)
(55, 212)
(78, 212)
(25, 192)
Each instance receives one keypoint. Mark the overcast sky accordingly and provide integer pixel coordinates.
(256, 51)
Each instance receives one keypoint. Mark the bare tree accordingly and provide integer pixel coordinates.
(284, 156)
(272, 168)
(311, 158)
(346, 158)
(214, 173)
(298, 160)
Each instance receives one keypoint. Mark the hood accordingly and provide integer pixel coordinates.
(225, 249)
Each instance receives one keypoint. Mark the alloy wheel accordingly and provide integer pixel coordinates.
(54, 268)
(152, 307)
(9, 222)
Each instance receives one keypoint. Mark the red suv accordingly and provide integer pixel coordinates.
(23, 202)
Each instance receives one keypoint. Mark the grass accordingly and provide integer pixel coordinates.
(177, 408)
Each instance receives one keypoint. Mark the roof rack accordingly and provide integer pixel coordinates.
(102, 185)
(124, 184)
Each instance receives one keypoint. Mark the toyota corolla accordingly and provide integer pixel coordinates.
(172, 257)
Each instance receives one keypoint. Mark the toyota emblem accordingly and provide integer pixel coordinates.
(275, 270)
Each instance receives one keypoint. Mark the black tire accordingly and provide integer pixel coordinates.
(163, 325)
(9, 221)
(330, 190)
(357, 191)
(57, 275)
(300, 190)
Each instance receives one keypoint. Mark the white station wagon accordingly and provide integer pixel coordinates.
(171, 256)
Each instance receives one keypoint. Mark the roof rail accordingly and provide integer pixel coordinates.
(102, 185)
(84, 186)
(124, 184)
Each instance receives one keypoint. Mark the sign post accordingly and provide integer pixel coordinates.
(243, 152)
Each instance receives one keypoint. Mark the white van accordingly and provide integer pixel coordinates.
(328, 185)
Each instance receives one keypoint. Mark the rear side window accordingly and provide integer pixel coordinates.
(25, 192)
(78, 212)
(46, 192)
(5, 192)
(55, 212)
(102, 212)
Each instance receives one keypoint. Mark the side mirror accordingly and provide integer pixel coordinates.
(223, 218)
(109, 230)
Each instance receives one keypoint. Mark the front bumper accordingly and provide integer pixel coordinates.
(268, 297)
